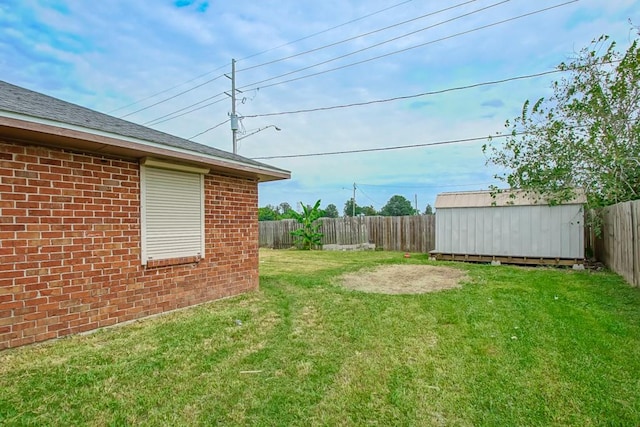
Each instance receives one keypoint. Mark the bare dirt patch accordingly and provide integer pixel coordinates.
(404, 279)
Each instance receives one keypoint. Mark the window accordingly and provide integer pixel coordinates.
(172, 211)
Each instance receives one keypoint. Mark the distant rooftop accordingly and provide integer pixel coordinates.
(470, 199)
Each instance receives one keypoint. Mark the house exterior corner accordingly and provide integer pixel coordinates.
(70, 244)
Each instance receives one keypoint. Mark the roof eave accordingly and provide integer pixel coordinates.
(54, 134)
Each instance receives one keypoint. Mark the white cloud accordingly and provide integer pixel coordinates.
(107, 54)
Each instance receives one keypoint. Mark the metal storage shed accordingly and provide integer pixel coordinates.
(510, 227)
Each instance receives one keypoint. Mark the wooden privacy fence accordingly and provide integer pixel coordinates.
(618, 246)
(399, 233)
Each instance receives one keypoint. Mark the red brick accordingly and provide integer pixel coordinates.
(25, 295)
(12, 274)
(65, 332)
(56, 327)
(85, 253)
(22, 341)
(51, 177)
(24, 310)
(53, 162)
(35, 316)
(35, 302)
(7, 317)
(45, 336)
(23, 325)
(24, 174)
(11, 227)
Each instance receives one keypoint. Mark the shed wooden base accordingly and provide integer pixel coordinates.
(506, 259)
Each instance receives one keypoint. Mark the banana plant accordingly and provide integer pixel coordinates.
(308, 235)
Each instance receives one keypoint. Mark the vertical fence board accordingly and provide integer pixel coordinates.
(406, 233)
(617, 246)
(635, 235)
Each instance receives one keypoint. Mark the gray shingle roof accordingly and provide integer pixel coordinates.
(19, 100)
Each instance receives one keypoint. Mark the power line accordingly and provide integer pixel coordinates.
(399, 98)
(187, 112)
(338, 68)
(315, 65)
(366, 195)
(211, 128)
(166, 90)
(378, 57)
(172, 97)
(417, 95)
(166, 117)
(420, 186)
(401, 147)
(396, 147)
(326, 31)
(370, 47)
(257, 54)
(359, 36)
(402, 50)
(186, 91)
(159, 120)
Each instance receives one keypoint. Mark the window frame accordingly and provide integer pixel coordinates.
(172, 169)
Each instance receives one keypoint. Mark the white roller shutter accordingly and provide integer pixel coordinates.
(172, 207)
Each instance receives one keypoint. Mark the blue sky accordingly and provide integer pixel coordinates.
(109, 54)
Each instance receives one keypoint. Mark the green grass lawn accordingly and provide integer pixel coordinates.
(513, 346)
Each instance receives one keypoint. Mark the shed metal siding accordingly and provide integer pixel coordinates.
(539, 231)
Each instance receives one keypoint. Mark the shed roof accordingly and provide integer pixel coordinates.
(25, 114)
(469, 199)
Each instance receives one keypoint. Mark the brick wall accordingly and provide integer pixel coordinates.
(70, 245)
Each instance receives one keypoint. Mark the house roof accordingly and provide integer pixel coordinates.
(471, 199)
(29, 115)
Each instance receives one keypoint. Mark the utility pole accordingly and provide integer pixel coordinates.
(416, 196)
(234, 116)
(353, 208)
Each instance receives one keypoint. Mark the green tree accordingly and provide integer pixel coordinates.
(397, 206)
(428, 210)
(360, 210)
(368, 211)
(348, 208)
(586, 135)
(268, 213)
(331, 211)
(308, 236)
(284, 208)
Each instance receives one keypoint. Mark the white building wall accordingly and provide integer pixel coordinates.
(537, 231)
